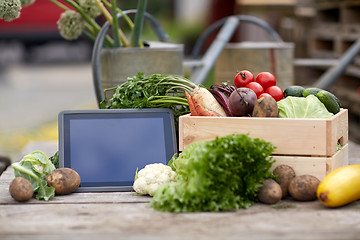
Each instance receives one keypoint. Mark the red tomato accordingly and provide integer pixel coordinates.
(264, 95)
(266, 80)
(276, 92)
(243, 78)
(256, 87)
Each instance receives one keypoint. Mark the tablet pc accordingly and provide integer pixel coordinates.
(106, 146)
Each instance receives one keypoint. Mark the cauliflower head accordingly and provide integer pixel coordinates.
(151, 177)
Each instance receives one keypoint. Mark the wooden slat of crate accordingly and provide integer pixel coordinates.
(316, 166)
(290, 136)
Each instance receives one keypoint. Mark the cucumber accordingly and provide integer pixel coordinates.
(309, 91)
(294, 91)
(330, 101)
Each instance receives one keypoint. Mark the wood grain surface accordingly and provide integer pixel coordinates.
(122, 215)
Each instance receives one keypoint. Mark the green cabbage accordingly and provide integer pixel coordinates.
(302, 107)
(35, 167)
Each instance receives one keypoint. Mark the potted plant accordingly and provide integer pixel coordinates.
(116, 56)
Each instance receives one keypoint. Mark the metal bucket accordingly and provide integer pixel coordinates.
(274, 57)
(112, 66)
(117, 64)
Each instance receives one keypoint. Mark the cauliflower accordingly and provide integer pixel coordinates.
(151, 177)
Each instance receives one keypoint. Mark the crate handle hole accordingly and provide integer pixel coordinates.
(341, 141)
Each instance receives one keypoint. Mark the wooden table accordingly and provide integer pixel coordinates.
(122, 215)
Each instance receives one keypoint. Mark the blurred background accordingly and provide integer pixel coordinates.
(42, 74)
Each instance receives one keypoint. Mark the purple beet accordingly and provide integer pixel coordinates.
(242, 101)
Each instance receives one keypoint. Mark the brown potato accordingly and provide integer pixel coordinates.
(286, 174)
(303, 188)
(21, 189)
(64, 180)
(266, 107)
(270, 192)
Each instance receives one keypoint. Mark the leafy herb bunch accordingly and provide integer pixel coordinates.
(79, 18)
(219, 175)
(151, 91)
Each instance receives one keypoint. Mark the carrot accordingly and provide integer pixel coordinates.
(208, 101)
(191, 104)
(200, 110)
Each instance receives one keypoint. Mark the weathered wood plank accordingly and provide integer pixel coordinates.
(136, 221)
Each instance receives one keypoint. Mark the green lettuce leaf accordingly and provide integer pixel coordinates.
(302, 107)
(35, 167)
(218, 175)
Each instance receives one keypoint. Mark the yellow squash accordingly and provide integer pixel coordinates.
(340, 187)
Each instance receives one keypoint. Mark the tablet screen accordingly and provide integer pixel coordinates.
(107, 146)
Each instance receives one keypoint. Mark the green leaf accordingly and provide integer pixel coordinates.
(55, 159)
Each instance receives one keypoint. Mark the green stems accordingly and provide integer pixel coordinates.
(115, 24)
(118, 35)
(126, 17)
(168, 100)
(138, 25)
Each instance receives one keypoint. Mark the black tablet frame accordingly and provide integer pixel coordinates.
(64, 139)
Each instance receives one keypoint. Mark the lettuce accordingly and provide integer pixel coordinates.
(218, 175)
(302, 107)
(35, 167)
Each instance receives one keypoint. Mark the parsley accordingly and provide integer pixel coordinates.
(151, 91)
(218, 175)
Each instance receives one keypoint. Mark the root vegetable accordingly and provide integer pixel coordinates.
(64, 180)
(242, 101)
(200, 109)
(304, 187)
(207, 101)
(223, 100)
(191, 104)
(286, 174)
(270, 192)
(265, 107)
(21, 189)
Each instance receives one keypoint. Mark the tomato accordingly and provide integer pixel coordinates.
(256, 87)
(266, 80)
(243, 78)
(276, 92)
(264, 95)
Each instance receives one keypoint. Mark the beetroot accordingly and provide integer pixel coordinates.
(242, 101)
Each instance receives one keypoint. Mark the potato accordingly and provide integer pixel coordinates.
(270, 192)
(303, 188)
(64, 180)
(286, 174)
(266, 107)
(21, 189)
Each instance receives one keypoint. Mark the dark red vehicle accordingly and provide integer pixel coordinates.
(37, 33)
(37, 22)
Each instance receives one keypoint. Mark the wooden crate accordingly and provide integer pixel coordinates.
(309, 145)
(317, 166)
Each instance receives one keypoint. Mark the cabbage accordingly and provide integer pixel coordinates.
(35, 167)
(302, 107)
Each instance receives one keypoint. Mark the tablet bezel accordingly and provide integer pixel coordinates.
(87, 114)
